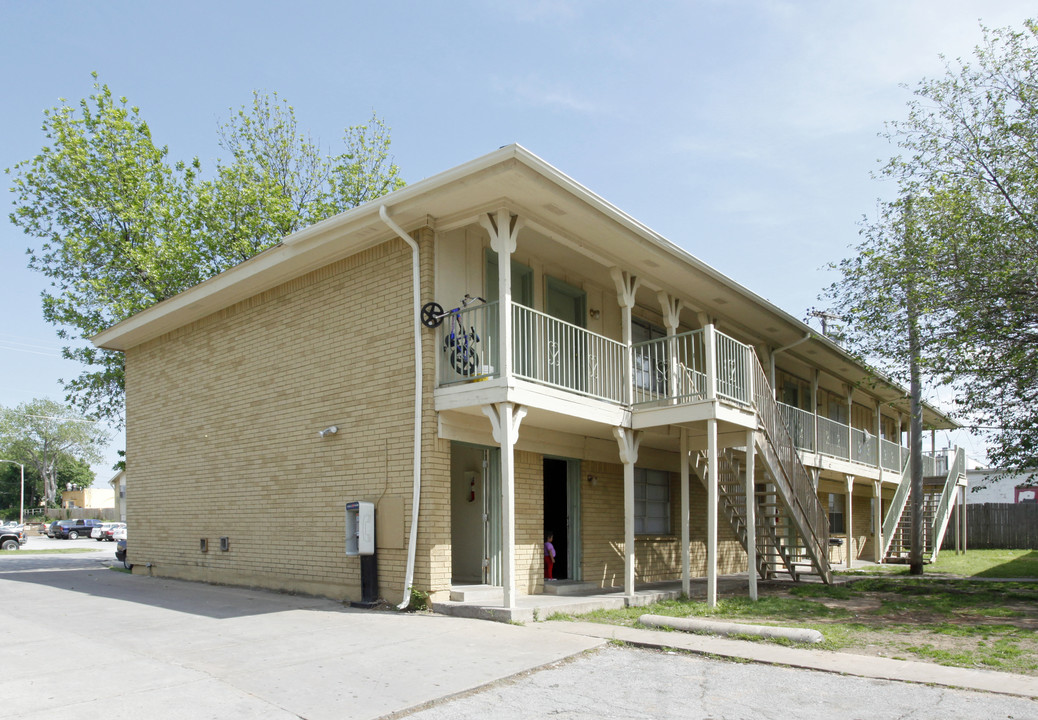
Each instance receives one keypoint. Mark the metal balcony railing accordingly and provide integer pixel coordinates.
(669, 371)
(562, 355)
(801, 426)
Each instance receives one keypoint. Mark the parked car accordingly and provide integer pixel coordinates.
(74, 529)
(105, 531)
(120, 553)
(52, 529)
(119, 533)
(11, 538)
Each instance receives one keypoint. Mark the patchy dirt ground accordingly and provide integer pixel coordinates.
(951, 623)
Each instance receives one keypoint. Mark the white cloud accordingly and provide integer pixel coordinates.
(537, 92)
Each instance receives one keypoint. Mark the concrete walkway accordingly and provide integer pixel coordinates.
(836, 662)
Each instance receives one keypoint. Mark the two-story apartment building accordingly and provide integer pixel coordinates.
(660, 420)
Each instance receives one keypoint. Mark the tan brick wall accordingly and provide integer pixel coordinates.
(529, 522)
(222, 421)
(657, 558)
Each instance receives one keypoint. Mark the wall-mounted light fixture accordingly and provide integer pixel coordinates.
(595, 314)
(330, 430)
(592, 479)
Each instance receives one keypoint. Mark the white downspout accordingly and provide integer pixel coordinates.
(412, 541)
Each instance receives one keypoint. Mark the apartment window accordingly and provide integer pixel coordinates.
(651, 502)
(837, 506)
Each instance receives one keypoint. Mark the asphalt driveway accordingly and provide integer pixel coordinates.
(86, 639)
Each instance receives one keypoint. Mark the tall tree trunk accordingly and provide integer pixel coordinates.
(915, 428)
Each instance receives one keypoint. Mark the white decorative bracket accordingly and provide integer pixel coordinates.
(494, 412)
(503, 228)
(629, 441)
(671, 307)
(626, 286)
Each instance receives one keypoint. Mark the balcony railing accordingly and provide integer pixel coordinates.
(837, 440)
(864, 447)
(670, 371)
(468, 345)
(551, 352)
(833, 439)
(665, 371)
(892, 456)
(801, 426)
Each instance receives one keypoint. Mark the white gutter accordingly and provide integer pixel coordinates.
(412, 542)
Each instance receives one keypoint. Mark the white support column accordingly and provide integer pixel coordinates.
(626, 289)
(849, 522)
(877, 520)
(850, 424)
(671, 311)
(959, 509)
(505, 419)
(965, 536)
(503, 229)
(751, 514)
(814, 409)
(686, 560)
(710, 351)
(900, 446)
(711, 512)
(879, 435)
(628, 440)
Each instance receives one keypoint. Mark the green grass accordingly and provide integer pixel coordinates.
(953, 621)
(988, 564)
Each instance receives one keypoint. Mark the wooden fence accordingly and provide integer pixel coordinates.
(1002, 526)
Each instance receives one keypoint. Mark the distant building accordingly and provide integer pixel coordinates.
(92, 498)
(118, 483)
(991, 485)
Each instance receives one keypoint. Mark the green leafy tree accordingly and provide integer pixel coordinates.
(969, 148)
(72, 473)
(120, 226)
(892, 296)
(52, 442)
(968, 161)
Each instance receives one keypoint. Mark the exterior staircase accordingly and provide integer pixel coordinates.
(939, 497)
(792, 527)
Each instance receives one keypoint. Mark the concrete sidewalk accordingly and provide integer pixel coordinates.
(843, 663)
(92, 642)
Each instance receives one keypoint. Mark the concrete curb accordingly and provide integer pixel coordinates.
(800, 635)
(867, 666)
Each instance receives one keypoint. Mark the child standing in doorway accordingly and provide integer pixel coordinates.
(549, 556)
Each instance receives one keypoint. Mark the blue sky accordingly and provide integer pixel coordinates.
(744, 131)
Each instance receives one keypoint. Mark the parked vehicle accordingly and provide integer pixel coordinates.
(120, 553)
(119, 533)
(75, 529)
(105, 531)
(52, 529)
(11, 538)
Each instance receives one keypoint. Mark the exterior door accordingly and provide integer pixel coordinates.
(562, 515)
(492, 517)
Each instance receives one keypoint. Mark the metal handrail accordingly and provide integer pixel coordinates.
(956, 469)
(811, 518)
